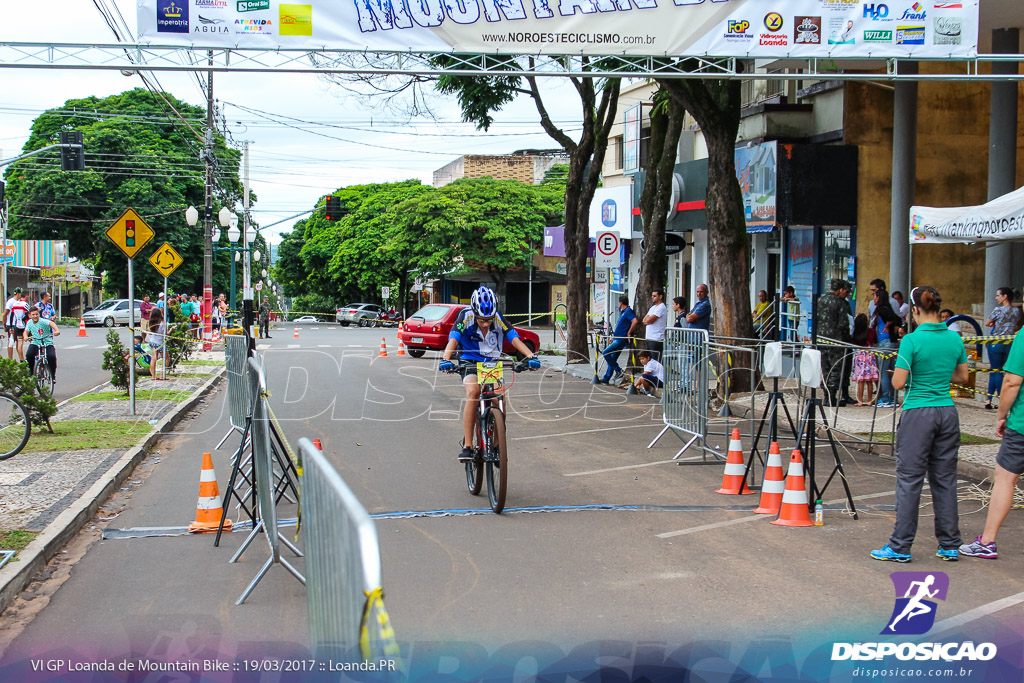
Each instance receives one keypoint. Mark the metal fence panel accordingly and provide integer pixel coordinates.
(686, 382)
(236, 353)
(343, 567)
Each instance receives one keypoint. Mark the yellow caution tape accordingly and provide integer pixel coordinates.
(385, 633)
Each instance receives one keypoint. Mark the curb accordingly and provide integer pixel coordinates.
(17, 575)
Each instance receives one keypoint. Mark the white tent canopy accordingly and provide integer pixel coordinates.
(1001, 219)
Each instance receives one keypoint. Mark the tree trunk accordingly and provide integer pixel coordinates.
(666, 127)
(499, 275)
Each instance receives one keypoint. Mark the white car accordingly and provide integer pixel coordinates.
(112, 312)
(307, 319)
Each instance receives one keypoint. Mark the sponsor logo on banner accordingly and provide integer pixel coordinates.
(253, 5)
(172, 16)
(773, 22)
(208, 24)
(910, 35)
(913, 615)
(737, 29)
(296, 20)
(254, 27)
(876, 12)
(211, 4)
(948, 30)
(877, 36)
(808, 31)
(841, 32)
(839, 5)
(914, 13)
(949, 5)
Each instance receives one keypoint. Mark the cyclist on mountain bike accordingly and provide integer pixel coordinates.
(481, 332)
(40, 333)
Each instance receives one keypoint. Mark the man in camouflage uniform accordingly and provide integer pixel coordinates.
(264, 328)
(834, 322)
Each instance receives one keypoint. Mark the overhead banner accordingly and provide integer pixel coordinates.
(1000, 219)
(831, 29)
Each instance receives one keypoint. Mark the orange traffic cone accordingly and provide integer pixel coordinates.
(401, 328)
(81, 328)
(774, 484)
(208, 509)
(383, 349)
(296, 335)
(732, 480)
(319, 446)
(794, 510)
(401, 348)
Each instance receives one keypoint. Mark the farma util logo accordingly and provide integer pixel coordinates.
(913, 614)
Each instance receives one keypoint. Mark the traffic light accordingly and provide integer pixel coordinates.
(72, 158)
(333, 211)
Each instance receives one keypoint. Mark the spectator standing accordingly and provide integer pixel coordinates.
(876, 285)
(944, 315)
(157, 338)
(904, 308)
(758, 314)
(264, 330)
(15, 315)
(46, 311)
(147, 308)
(1009, 459)
(928, 436)
(885, 322)
(699, 316)
(865, 369)
(624, 327)
(834, 323)
(790, 306)
(656, 320)
(679, 308)
(1003, 321)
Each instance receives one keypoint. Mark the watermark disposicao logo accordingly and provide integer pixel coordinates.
(915, 608)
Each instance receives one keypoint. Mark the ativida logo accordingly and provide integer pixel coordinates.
(609, 212)
(916, 593)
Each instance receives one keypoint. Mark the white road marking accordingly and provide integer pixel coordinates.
(752, 518)
(629, 467)
(293, 346)
(976, 613)
(323, 346)
(586, 431)
(77, 346)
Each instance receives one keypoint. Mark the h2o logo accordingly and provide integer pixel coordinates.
(876, 12)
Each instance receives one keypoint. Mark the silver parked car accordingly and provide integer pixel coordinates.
(363, 315)
(112, 312)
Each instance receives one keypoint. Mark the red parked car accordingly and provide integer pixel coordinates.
(428, 328)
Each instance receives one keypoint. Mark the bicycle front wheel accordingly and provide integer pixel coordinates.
(14, 426)
(497, 459)
(44, 380)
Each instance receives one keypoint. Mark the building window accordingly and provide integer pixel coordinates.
(617, 152)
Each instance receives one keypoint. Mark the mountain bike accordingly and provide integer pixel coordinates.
(14, 426)
(489, 442)
(41, 371)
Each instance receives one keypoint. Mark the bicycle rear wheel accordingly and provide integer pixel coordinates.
(475, 469)
(14, 426)
(496, 461)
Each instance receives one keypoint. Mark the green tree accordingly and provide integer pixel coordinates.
(138, 155)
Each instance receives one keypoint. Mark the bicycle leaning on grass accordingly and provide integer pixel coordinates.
(490, 447)
(15, 426)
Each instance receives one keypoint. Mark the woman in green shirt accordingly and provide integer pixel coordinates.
(928, 437)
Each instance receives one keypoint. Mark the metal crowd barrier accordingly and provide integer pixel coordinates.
(685, 395)
(263, 474)
(236, 352)
(344, 595)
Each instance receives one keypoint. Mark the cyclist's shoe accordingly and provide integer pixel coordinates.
(978, 549)
(947, 554)
(467, 454)
(887, 553)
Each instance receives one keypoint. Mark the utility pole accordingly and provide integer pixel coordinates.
(247, 293)
(208, 213)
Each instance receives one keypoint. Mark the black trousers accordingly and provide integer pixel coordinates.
(51, 358)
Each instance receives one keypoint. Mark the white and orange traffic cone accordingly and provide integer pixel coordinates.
(732, 480)
(401, 348)
(208, 509)
(319, 446)
(296, 335)
(794, 510)
(774, 484)
(383, 349)
(401, 328)
(81, 328)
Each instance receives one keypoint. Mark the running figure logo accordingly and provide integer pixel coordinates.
(916, 592)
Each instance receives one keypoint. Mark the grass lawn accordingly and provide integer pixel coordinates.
(140, 395)
(965, 439)
(75, 435)
(15, 539)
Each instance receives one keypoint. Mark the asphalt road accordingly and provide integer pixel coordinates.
(668, 565)
(79, 359)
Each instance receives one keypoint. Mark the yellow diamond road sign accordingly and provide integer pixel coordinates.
(130, 233)
(166, 260)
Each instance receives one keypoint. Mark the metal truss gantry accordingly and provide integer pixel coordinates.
(130, 57)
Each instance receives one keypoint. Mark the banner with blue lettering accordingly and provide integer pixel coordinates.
(833, 29)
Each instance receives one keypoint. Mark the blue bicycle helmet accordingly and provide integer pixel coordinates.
(484, 303)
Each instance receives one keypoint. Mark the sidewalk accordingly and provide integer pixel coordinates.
(58, 482)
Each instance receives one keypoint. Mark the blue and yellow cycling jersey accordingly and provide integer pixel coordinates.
(475, 345)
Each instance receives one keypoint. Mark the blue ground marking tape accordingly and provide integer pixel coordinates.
(154, 531)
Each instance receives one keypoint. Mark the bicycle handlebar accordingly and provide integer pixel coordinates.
(462, 366)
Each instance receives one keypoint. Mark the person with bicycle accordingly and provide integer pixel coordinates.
(40, 333)
(481, 332)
